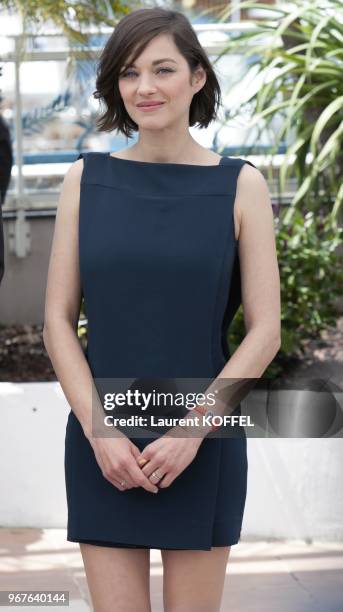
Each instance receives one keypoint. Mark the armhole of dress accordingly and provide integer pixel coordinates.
(84, 157)
(248, 162)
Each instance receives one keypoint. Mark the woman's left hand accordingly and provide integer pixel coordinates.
(168, 456)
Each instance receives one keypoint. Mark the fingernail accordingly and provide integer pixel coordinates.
(156, 490)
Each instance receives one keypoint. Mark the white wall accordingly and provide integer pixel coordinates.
(294, 485)
(33, 419)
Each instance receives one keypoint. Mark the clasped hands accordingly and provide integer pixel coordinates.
(165, 458)
(160, 462)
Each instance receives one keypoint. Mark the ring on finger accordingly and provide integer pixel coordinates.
(155, 475)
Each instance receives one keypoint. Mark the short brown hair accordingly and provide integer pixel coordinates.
(130, 36)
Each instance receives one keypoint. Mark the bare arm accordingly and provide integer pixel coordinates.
(115, 456)
(63, 301)
(260, 279)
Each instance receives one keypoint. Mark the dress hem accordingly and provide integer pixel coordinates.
(109, 544)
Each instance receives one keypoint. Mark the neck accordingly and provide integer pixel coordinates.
(151, 148)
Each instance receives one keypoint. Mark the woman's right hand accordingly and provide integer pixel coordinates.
(116, 458)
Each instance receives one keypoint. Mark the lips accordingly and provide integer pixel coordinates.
(146, 104)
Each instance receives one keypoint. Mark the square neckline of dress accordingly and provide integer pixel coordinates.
(135, 161)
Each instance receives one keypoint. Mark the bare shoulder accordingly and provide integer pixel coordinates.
(253, 205)
(70, 192)
(74, 172)
(251, 182)
(251, 187)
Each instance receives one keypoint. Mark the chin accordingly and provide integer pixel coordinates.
(153, 121)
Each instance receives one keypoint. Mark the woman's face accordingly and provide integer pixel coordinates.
(167, 81)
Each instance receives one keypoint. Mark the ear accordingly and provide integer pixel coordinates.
(199, 78)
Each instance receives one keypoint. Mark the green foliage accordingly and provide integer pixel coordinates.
(297, 62)
(70, 16)
(311, 274)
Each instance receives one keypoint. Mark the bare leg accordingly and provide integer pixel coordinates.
(118, 578)
(193, 580)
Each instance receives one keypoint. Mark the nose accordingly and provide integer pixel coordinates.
(146, 84)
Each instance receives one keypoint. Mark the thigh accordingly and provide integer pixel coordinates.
(118, 578)
(193, 580)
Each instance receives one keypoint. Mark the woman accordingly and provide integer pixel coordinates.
(151, 239)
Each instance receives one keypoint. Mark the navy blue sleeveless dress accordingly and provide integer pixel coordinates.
(160, 278)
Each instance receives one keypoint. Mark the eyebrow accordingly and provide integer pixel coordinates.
(158, 61)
